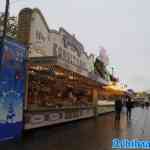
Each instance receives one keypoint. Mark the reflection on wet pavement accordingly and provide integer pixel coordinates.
(91, 134)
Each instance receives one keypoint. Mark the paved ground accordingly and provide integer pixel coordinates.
(91, 134)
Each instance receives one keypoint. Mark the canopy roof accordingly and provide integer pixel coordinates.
(115, 90)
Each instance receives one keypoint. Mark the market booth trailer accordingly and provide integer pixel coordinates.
(55, 94)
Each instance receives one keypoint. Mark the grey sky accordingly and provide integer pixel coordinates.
(121, 26)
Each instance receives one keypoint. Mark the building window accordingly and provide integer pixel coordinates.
(74, 59)
(67, 56)
(78, 62)
(55, 49)
(70, 58)
(39, 36)
(59, 52)
(49, 37)
(63, 54)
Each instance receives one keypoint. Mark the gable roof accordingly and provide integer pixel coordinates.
(42, 17)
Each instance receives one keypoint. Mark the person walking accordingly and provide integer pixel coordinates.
(118, 107)
(129, 106)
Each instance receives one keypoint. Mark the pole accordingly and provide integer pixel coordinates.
(4, 29)
(112, 71)
(5, 19)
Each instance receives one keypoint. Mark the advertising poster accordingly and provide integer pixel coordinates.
(12, 89)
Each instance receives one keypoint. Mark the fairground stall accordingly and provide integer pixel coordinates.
(61, 85)
(56, 94)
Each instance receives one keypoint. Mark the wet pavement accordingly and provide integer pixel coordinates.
(89, 134)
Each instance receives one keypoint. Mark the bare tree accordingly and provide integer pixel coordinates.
(11, 25)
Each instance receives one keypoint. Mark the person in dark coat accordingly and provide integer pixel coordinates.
(118, 107)
(129, 106)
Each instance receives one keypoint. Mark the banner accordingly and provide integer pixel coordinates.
(12, 89)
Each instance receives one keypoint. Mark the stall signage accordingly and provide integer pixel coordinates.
(12, 89)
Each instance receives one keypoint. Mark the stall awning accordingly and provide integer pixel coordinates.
(112, 90)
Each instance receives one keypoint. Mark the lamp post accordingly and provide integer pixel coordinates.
(5, 18)
(112, 71)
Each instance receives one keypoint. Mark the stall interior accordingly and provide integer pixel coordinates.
(50, 86)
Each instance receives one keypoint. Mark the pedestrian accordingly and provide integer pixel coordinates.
(129, 106)
(118, 108)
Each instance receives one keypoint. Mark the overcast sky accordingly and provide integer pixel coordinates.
(122, 27)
